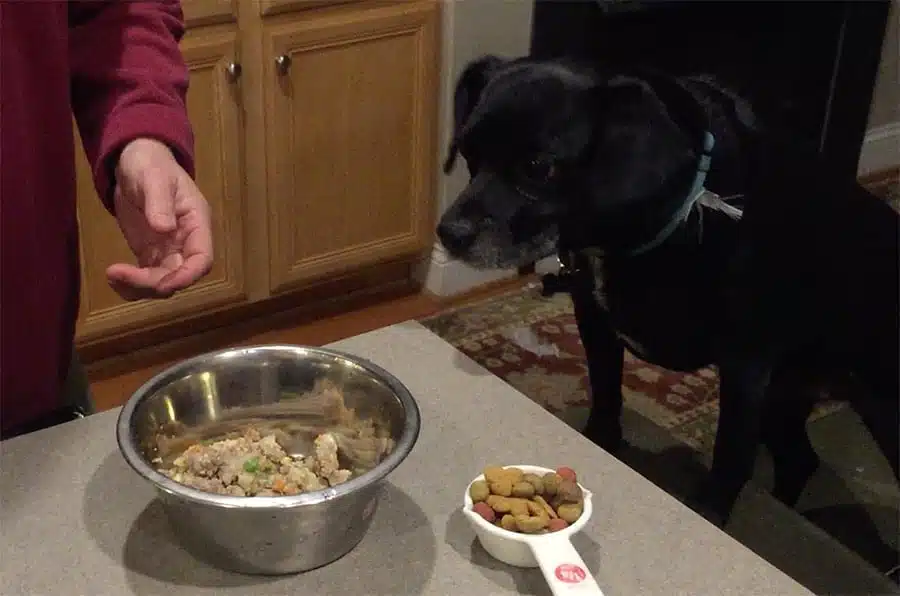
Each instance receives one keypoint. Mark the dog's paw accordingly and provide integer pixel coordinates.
(710, 504)
(790, 481)
(716, 518)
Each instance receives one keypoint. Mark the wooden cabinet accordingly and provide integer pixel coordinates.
(215, 113)
(327, 170)
(271, 7)
(350, 148)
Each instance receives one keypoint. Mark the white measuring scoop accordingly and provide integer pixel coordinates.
(553, 552)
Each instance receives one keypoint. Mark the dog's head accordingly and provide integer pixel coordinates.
(548, 144)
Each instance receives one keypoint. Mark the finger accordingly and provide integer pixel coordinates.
(132, 294)
(136, 283)
(194, 267)
(159, 202)
(197, 221)
(197, 248)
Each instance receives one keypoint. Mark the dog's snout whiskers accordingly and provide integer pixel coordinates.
(457, 236)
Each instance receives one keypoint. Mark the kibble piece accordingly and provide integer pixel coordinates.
(484, 511)
(552, 481)
(499, 504)
(566, 473)
(502, 487)
(557, 524)
(546, 506)
(523, 490)
(518, 507)
(569, 492)
(514, 474)
(493, 473)
(508, 522)
(531, 524)
(570, 512)
(534, 508)
(479, 491)
(535, 481)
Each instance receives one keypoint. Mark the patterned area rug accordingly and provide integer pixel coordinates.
(532, 343)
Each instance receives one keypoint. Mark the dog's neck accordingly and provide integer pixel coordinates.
(676, 219)
(698, 187)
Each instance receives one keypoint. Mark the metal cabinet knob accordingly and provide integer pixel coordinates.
(283, 63)
(234, 71)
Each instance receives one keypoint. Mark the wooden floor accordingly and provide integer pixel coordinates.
(112, 391)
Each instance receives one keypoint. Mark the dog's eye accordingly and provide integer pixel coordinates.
(540, 170)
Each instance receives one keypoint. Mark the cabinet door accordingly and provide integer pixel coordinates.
(215, 113)
(208, 12)
(270, 7)
(351, 116)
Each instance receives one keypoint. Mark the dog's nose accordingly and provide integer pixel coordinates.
(457, 239)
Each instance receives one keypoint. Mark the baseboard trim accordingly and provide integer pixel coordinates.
(443, 276)
(881, 149)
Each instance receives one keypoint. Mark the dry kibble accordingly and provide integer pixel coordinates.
(484, 511)
(519, 507)
(551, 483)
(570, 512)
(523, 490)
(514, 474)
(535, 508)
(508, 522)
(531, 524)
(493, 473)
(566, 473)
(546, 506)
(499, 504)
(568, 492)
(535, 481)
(502, 487)
(479, 491)
(557, 524)
(528, 503)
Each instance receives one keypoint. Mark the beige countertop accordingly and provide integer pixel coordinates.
(76, 520)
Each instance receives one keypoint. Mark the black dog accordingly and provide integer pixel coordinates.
(798, 276)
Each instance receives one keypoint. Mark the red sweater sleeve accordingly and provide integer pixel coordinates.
(129, 80)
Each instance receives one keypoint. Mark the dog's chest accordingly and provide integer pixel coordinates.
(664, 315)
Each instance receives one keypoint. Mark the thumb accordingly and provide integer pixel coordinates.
(159, 203)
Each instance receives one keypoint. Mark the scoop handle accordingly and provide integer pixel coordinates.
(563, 567)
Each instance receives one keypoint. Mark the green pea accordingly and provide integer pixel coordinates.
(251, 465)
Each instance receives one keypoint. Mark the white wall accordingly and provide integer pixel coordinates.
(471, 28)
(881, 148)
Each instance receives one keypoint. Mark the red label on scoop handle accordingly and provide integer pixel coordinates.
(569, 573)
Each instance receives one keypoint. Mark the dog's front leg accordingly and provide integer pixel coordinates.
(789, 401)
(605, 358)
(742, 399)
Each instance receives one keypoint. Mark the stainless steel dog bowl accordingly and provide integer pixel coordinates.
(265, 535)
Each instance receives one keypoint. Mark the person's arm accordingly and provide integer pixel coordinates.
(129, 81)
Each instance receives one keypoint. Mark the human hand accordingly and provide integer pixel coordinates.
(165, 220)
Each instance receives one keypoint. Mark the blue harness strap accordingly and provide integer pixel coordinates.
(697, 190)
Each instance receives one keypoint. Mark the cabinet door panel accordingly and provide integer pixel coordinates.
(351, 119)
(271, 7)
(208, 12)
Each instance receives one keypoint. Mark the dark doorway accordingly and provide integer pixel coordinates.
(809, 64)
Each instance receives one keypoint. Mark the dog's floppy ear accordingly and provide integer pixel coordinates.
(471, 83)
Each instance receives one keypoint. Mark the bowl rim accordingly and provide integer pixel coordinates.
(505, 534)
(136, 460)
